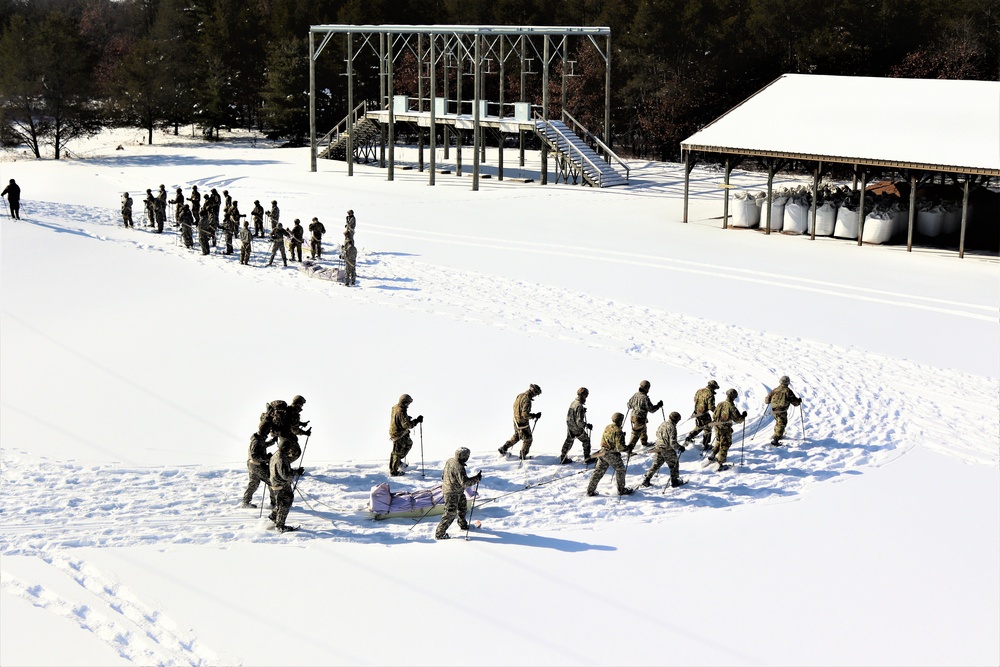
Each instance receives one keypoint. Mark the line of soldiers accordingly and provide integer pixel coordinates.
(280, 424)
(204, 214)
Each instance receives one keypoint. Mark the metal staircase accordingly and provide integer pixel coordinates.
(581, 158)
(360, 129)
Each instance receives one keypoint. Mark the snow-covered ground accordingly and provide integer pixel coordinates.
(134, 372)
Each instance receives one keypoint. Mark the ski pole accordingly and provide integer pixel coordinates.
(468, 524)
(421, 448)
(301, 459)
(759, 421)
(802, 421)
(742, 439)
(627, 459)
(263, 491)
(426, 512)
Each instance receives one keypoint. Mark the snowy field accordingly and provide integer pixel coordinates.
(135, 370)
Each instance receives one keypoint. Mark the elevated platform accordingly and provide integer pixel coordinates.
(459, 121)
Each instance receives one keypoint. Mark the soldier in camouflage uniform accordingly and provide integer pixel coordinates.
(195, 200)
(298, 235)
(726, 415)
(612, 446)
(350, 255)
(258, 465)
(704, 406)
(399, 432)
(257, 215)
(667, 451)
(282, 479)
(522, 416)
(577, 427)
(127, 211)
(160, 210)
(274, 214)
(454, 483)
(316, 230)
(278, 236)
(178, 202)
(640, 406)
(150, 205)
(186, 220)
(292, 425)
(205, 228)
(780, 398)
(246, 243)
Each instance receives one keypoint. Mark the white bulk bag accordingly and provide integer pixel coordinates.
(826, 218)
(952, 220)
(930, 222)
(847, 224)
(777, 214)
(879, 226)
(796, 216)
(745, 211)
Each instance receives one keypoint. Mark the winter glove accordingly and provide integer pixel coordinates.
(744, 414)
(537, 415)
(478, 477)
(590, 427)
(659, 405)
(629, 449)
(419, 419)
(307, 432)
(680, 449)
(300, 471)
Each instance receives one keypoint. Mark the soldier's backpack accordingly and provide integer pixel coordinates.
(275, 414)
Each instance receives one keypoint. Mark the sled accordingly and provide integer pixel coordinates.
(384, 504)
(316, 270)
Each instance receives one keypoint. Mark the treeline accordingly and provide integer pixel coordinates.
(71, 67)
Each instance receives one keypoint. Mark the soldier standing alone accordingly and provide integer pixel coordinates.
(257, 214)
(779, 399)
(522, 416)
(399, 432)
(640, 405)
(454, 483)
(612, 446)
(13, 194)
(246, 243)
(127, 211)
(350, 263)
(577, 427)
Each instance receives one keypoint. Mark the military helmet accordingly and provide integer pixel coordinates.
(405, 399)
(535, 390)
(644, 385)
(297, 221)
(784, 380)
(350, 211)
(256, 201)
(298, 400)
(274, 201)
(618, 418)
(463, 454)
(583, 391)
(731, 394)
(713, 385)
(675, 417)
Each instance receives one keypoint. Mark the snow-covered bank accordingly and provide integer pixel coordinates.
(134, 372)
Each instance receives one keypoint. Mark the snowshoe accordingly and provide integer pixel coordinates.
(627, 491)
(565, 459)
(775, 442)
(247, 506)
(593, 493)
(443, 536)
(645, 483)
(503, 452)
(286, 529)
(724, 466)
(677, 482)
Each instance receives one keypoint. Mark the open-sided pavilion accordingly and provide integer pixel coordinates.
(917, 129)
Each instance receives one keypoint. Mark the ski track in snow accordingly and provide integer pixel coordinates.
(863, 409)
(137, 632)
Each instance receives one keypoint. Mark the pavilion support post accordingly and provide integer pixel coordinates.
(445, 58)
(965, 216)
(607, 94)
(312, 102)
(815, 197)
(687, 179)
(725, 195)
(854, 181)
(433, 92)
(562, 87)
(458, 106)
(912, 213)
(770, 193)
(477, 132)
(500, 141)
(861, 206)
(545, 107)
(350, 104)
(382, 99)
(391, 176)
(420, 101)
(524, 81)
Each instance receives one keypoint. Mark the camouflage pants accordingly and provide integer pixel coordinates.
(661, 456)
(723, 441)
(584, 439)
(282, 504)
(400, 448)
(228, 232)
(186, 235)
(127, 219)
(203, 242)
(638, 433)
(295, 248)
(350, 273)
(702, 425)
(607, 460)
(316, 248)
(522, 434)
(455, 506)
(258, 473)
(275, 247)
(780, 422)
(245, 253)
